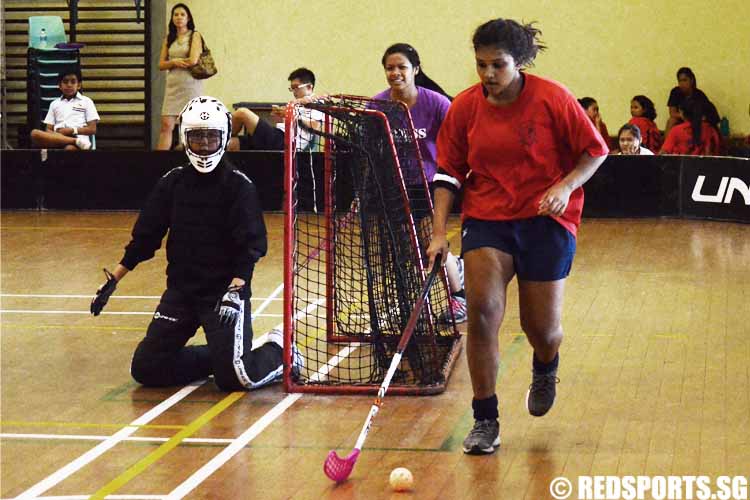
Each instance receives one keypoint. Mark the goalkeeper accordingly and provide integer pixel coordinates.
(216, 235)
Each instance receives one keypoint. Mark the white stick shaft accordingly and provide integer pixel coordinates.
(381, 394)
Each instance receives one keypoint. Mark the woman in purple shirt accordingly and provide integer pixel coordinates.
(408, 84)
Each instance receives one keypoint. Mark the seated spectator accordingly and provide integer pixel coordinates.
(687, 87)
(643, 115)
(261, 135)
(695, 136)
(71, 119)
(592, 110)
(629, 140)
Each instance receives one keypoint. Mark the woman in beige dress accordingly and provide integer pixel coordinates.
(181, 49)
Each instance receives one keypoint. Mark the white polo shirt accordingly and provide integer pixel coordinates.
(303, 136)
(75, 112)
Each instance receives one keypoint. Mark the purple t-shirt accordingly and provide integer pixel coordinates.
(427, 115)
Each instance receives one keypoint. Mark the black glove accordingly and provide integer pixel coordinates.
(228, 307)
(103, 293)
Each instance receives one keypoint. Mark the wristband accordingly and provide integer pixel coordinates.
(75, 130)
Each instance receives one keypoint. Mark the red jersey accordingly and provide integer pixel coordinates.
(517, 152)
(680, 140)
(650, 134)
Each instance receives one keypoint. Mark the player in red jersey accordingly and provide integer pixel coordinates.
(529, 147)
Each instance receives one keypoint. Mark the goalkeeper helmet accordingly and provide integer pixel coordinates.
(205, 129)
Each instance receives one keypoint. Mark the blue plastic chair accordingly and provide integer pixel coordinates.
(54, 27)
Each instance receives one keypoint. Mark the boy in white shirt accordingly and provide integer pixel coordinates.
(71, 118)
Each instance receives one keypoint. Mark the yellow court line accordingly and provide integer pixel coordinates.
(65, 228)
(162, 450)
(20, 423)
(26, 326)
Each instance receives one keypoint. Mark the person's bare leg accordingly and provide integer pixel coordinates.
(541, 304)
(454, 278)
(233, 144)
(488, 272)
(243, 117)
(165, 132)
(45, 139)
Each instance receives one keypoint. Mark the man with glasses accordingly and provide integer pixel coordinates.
(261, 135)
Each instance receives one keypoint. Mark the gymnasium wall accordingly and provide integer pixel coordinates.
(610, 50)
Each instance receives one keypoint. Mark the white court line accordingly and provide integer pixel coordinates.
(110, 497)
(111, 313)
(104, 446)
(271, 297)
(88, 437)
(113, 297)
(72, 467)
(243, 439)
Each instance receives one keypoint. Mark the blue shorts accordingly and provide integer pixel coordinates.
(542, 249)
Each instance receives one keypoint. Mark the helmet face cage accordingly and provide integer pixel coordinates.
(203, 113)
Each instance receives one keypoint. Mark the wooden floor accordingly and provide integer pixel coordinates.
(653, 380)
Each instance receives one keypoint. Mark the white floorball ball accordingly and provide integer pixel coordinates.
(401, 479)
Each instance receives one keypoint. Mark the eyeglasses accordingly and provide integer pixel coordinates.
(292, 89)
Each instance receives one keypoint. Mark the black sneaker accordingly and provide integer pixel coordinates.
(483, 438)
(541, 394)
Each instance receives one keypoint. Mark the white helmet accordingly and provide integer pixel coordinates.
(198, 119)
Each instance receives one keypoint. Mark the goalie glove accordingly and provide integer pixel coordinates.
(228, 307)
(103, 293)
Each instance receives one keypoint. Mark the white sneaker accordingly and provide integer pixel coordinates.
(83, 142)
(276, 336)
(298, 362)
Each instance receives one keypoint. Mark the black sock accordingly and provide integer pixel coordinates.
(485, 409)
(544, 368)
(461, 293)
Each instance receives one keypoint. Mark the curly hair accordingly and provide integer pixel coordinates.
(521, 41)
(649, 111)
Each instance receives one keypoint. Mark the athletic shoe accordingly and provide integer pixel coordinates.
(458, 306)
(483, 438)
(83, 142)
(298, 362)
(541, 393)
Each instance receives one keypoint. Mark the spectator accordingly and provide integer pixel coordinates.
(180, 51)
(643, 115)
(629, 140)
(71, 119)
(695, 135)
(261, 135)
(687, 87)
(592, 110)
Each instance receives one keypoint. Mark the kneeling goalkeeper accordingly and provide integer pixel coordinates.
(216, 235)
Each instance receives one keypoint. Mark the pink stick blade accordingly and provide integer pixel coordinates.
(338, 469)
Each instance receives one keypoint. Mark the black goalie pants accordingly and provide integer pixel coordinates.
(163, 359)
